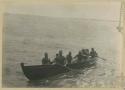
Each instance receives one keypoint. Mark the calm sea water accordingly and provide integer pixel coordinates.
(26, 38)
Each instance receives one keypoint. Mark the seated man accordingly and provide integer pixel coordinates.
(46, 60)
(61, 58)
(85, 53)
(69, 58)
(56, 60)
(93, 53)
(79, 57)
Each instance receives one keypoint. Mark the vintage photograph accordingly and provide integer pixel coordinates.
(62, 45)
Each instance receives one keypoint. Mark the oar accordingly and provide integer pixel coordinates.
(102, 58)
(69, 68)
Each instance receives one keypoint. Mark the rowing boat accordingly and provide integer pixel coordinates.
(38, 72)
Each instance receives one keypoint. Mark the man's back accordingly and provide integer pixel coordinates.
(69, 58)
(45, 61)
(62, 60)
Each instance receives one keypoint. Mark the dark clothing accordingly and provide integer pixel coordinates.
(57, 60)
(45, 61)
(69, 59)
(79, 57)
(93, 54)
(85, 54)
(60, 60)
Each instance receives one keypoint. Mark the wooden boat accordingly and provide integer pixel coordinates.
(38, 72)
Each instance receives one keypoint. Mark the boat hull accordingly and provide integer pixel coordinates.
(43, 71)
(39, 72)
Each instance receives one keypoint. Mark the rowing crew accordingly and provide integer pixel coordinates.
(84, 54)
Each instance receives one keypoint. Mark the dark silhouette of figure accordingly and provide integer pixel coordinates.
(93, 53)
(56, 60)
(87, 52)
(83, 52)
(79, 57)
(46, 60)
(69, 58)
(61, 58)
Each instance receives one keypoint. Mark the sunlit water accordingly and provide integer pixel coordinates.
(26, 38)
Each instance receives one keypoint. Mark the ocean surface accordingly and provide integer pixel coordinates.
(27, 37)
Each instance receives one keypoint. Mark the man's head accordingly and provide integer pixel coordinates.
(70, 53)
(83, 50)
(60, 52)
(92, 49)
(46, 54)
(87, 50)
(80, 53)
(57, 55)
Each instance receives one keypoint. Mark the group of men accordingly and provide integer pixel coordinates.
(83, 54)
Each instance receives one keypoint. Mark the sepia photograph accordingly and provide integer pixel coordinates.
(62, 45)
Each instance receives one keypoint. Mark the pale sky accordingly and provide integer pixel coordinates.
(91, 10)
